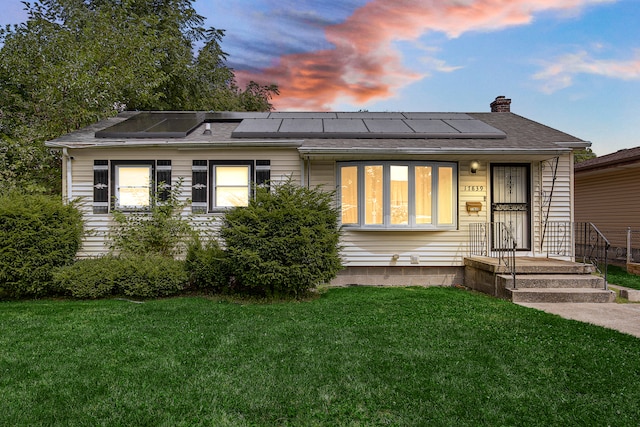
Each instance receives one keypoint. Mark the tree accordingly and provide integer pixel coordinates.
(582, 155)
(75, 62)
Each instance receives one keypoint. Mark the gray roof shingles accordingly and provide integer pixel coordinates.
(520, 134)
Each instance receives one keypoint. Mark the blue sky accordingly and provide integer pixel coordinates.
(571, 64)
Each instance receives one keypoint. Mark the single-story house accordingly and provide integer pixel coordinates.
(412, 187)
(606, 194)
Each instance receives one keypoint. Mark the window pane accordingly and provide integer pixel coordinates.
(399, 194)
(232, 196)
(423, 194)
(231, 186)
(445, 195)
(133, 186)
(349, 194)
(373, 195)
(232, 175)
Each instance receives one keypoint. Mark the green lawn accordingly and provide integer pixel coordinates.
(354, 356)
(619, 276)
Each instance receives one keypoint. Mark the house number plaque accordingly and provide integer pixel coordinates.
(476, 188)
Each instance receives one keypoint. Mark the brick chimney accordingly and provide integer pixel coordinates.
(501, 105)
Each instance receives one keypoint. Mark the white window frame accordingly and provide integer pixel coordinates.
(411, 225)
(117, 186)
(213, 165)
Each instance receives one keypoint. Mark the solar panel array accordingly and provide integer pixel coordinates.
(307, 125)
(366, 125)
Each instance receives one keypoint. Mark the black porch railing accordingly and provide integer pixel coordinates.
(581, 240)
(495, 240)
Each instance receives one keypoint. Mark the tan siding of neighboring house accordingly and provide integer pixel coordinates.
(610, 199)
(284, 163)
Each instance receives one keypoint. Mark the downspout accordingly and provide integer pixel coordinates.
(69, 190)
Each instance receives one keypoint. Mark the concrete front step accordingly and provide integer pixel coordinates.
(531, 265)
(560, 295)
(547, 281)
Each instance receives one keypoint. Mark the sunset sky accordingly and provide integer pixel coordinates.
(571, 64)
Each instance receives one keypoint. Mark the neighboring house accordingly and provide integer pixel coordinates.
(409, 185)
(607, 195)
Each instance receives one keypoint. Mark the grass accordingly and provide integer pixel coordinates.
(619, 276)
(353, 356)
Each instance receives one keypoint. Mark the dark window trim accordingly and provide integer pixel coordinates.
(116, 163)
(212, 189)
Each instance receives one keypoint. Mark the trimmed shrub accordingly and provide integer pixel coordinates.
(134, 275)
(206, 266)
(160, 230)
(285, 242)
(151, 276)
(37, 234)
(88, 278)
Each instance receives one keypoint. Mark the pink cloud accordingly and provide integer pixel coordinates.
(559, 74)
(364, 64)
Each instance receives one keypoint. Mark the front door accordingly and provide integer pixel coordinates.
(511, 201)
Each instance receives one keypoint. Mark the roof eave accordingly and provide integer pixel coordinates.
(312, 151)
(175, 144)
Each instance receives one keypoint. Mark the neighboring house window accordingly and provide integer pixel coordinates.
(398, 194)
(129, 184)
(218, 185)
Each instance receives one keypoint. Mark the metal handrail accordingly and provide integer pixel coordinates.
(580, 240)
(495, 240)
(595, 247)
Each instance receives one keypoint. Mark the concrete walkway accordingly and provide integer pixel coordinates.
(622, 317)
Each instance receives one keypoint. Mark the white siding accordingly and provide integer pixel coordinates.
(429, 248)
(360, 248)
(284, 163)
(552, 199)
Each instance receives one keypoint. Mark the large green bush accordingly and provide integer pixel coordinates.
(147, 276)
(285, 242)
(206, 265)
(37, 233)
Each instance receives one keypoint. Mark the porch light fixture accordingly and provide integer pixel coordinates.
(473, 167)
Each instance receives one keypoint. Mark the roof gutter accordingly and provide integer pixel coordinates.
(574, 144)
(419, 151)
(175, 144)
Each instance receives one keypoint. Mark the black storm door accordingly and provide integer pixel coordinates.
(511, 201)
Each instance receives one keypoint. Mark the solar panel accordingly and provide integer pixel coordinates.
(370, 115)
(258, 126)
(387, 126)
(473, 126)
(438, 116)
(344, 126)
(306, 125)
(154, 125)
(301, 126)
(302, 115)
(430, 126)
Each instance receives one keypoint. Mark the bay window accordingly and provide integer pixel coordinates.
(398, 195)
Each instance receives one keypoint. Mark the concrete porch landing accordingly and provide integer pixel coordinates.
(537, 280)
